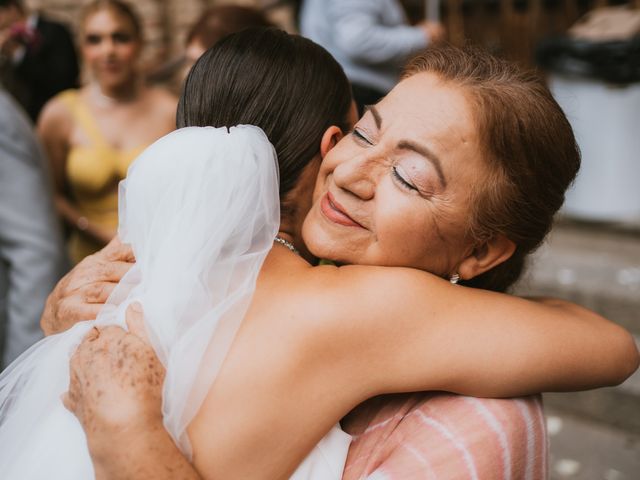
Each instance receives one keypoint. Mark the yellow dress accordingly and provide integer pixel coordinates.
(93, 173)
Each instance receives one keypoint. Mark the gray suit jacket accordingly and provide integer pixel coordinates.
(32, 253)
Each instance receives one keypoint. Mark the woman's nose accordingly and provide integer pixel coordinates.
(108, 46)
(356, 176)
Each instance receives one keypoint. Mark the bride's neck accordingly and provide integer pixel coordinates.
(291, 231)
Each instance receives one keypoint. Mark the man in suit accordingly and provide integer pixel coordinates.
(37, 56)
(32, 253)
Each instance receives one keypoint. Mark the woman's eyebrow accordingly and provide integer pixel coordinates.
(426, 153)
(376, 115)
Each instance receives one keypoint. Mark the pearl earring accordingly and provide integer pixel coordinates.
(455, 278)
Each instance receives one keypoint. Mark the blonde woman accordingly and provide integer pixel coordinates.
(92, 135)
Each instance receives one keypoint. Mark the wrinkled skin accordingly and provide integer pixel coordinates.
(115, 378)
(83, 291)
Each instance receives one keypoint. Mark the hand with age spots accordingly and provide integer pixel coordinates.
(115, 385)
(83, 291)
(115, 390)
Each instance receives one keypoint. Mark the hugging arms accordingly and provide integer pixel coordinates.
(499, 359)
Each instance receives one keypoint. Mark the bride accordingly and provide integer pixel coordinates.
(372, 329)
(175, 212)
(194, 262)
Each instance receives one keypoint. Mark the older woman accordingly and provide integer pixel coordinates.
(458, 171)
(92, 135)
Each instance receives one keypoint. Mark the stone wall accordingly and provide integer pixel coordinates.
(166, 22)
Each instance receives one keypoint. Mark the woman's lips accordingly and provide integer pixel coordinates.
(111, 67)
(334, 212)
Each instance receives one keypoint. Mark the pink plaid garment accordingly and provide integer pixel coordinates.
(447, 437)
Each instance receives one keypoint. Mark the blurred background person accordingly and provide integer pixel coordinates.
(37, 56)
(32, 254)
(214, 24)
(371, 39)
(93, 134)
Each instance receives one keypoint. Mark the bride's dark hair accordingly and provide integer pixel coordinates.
(285, 84)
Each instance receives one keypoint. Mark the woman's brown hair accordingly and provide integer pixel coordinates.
(529, 146)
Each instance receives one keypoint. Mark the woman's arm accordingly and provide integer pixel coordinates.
(150, 454)
(406, 330)
(359, 332)
(115, 391)
(411, 331)
(54, 130)
(77, 221)
(440, 435)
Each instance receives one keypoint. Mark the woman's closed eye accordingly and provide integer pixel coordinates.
(402, 181)
(361, 137)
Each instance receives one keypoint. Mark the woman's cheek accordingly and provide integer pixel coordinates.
(405, 235)
(90, 55)
(128, 55)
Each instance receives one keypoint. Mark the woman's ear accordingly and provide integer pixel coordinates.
(486, 256)
(329, 140)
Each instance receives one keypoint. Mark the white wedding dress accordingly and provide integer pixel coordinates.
(200, 209)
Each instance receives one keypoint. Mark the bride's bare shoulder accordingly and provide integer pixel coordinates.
(331, 297)
(366, 280)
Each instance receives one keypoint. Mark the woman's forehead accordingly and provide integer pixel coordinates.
(430, 109)
(107, 18)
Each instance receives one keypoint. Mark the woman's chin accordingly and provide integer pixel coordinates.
(331, 241)
(321, 242)
(334, 253)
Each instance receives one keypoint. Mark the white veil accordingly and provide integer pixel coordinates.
(200, 208)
